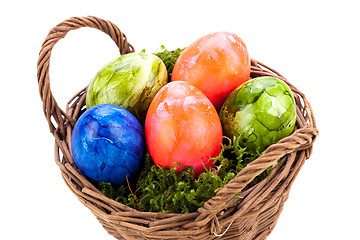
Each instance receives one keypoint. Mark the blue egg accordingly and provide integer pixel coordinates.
(108, 144)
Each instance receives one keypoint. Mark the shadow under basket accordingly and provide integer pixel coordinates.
(253, 216)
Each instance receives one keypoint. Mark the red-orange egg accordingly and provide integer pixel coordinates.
(216, 64)
(182, 126)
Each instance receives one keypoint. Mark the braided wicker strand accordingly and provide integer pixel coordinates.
(252, 216)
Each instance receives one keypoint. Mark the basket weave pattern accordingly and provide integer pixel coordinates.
(253, 216)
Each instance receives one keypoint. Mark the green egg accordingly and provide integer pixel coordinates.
(260, 112)
(130, 81)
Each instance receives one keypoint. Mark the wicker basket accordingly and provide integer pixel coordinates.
(253, 216)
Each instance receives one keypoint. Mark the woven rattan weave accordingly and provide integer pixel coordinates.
(253, 216)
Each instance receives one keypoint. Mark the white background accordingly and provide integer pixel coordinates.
(315, 44)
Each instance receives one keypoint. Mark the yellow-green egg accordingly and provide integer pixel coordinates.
(130, 81)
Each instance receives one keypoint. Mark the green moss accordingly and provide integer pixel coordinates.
(169, 58)
(160, 189)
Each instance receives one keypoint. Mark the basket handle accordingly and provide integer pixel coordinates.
(50, 107)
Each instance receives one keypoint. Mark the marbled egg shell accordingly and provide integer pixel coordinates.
(182, 126)
(130, 81)
(260, 112)
(108, 144)
(216, 64)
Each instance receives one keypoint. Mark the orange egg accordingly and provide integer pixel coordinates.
(182, 126)
(216, 64)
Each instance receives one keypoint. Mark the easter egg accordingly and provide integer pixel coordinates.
(216, 64)
(107, 144)
(260, 112)
(130, 81)
(182, 126)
